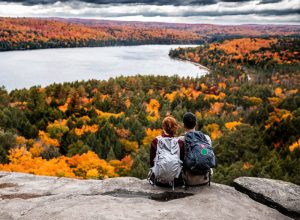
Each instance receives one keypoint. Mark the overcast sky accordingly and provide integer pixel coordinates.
(181, 11)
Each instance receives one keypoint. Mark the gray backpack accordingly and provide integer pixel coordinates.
(167, 163)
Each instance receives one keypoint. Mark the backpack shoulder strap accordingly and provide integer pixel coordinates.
(159, 137)
(203, 137)
(170, 143)
(163, 139)
(208, 139)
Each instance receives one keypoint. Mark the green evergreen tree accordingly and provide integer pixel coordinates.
(111, 155)
(140, 167)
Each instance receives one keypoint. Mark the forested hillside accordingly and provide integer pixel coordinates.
(37, 33)
(249, 104)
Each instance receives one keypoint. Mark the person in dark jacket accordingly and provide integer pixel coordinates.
(170, 127)
(190, 122)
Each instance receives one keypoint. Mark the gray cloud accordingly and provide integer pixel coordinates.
(158, 10)
(101, 2)
(146, 2)
(269, 1)
(266, 12)
(247, 12)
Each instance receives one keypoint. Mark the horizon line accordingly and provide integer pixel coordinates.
(156, 22)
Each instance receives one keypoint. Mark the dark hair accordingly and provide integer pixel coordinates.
(170, 125)
(189, 120)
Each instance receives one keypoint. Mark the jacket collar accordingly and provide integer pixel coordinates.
(166, 135)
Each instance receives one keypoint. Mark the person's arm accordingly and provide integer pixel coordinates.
(153, 151)
(181, 146)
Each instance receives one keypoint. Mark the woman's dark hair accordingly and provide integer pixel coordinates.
(170, 125)
(189, 120)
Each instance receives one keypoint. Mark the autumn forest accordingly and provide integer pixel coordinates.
(38, 33)
(249, 103)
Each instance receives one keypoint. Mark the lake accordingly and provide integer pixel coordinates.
(23, 69)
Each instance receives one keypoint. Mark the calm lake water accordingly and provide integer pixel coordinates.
(19, 69)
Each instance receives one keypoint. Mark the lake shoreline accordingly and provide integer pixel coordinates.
(24, 69)
(115, 45)
(196, 64)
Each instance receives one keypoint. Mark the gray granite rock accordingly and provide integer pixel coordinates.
(24, 196)
(278, 194)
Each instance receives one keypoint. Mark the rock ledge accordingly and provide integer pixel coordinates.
(25, 196)
(281, 195)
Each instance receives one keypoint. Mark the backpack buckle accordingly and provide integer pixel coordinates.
(151, 177)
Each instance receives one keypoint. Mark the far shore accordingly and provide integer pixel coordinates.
(196, 64)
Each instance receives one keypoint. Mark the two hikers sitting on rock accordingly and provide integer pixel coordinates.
(184, 160)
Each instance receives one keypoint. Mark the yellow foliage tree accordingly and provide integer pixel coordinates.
(86, 128)
(195, 93)
(275, 101)
(92, 174)
(83, 163)
(214, 130)
(122, 167)
(150, 135)
(222, 85)
(150, 92)
(277, 116)
(253, 100)
(203, 87)
(22, 160)
(247, 166)
(278, 92)
(36, 149)
(292, 92)
(47, 140)
(85, 118)
(63, 108)
(107, 115)
(232, 125)
(171, 96)
(215, 108)
(152, 109)
(87, 165)
(20, 140)
(57, 128)
(294, 145)
(129, 145)
(127, 103)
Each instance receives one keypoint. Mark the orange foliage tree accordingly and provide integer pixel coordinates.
(87, 165)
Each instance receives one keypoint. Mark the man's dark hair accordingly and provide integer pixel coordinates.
(189, 120)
